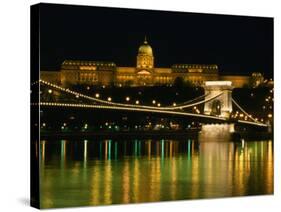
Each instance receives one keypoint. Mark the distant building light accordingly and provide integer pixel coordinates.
(137, 102)
(158, 104)
(127, 98)
(109, 99)
(97, 95)
(50, 91)
(218, 83)
(153, 102)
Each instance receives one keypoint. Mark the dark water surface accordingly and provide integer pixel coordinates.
(98, 172)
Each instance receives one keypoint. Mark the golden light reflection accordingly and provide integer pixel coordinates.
(166, 169)
(108, 183)
(155, 176)
(95, 185)
(269, 168)
(174, 179)
(171, 149)
(149, 149)
(126, 182)
(136, 186)
(240, 171)
(43, 144)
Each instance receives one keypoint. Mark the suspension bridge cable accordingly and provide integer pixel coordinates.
(192, 100)
(244, 111)
(183, 103)
(128, 105)
(55, 104)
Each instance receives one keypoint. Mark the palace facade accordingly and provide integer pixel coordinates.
(143, 74)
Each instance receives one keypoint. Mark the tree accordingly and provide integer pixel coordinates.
(179, 83)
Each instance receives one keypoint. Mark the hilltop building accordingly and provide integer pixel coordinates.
(143, 74)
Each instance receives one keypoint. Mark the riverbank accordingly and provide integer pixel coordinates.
(236, 136)
(123, 134)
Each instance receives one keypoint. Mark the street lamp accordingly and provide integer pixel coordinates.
(269, 115)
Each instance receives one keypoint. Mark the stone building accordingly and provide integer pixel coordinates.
(143, 74)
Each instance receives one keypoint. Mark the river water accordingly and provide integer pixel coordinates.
(112, 171)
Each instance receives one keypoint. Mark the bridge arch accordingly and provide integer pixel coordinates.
(221, 105)
(216, 107)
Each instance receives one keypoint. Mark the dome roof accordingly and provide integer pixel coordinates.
(145, 48)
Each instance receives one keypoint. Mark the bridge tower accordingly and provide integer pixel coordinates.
(221, 105)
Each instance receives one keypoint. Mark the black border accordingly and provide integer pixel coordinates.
(34, 110)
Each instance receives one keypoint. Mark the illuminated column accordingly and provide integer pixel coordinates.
(222, 104)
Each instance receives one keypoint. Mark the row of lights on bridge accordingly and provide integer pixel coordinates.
(97, 95)
(109, 99)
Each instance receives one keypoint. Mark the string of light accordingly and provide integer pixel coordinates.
(133, 107)
(243, 111)
(130, 105)
(53, 104)
(126, 108)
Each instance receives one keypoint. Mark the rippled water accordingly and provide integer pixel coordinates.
(98, 172)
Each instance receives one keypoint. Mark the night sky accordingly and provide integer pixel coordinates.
(239, 45)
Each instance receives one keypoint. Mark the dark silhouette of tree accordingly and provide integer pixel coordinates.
(179, 83)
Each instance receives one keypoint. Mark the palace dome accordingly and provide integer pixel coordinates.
(145, 49)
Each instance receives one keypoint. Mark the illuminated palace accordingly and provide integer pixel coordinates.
(144, 74)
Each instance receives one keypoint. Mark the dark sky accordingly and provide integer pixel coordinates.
(239, 45)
